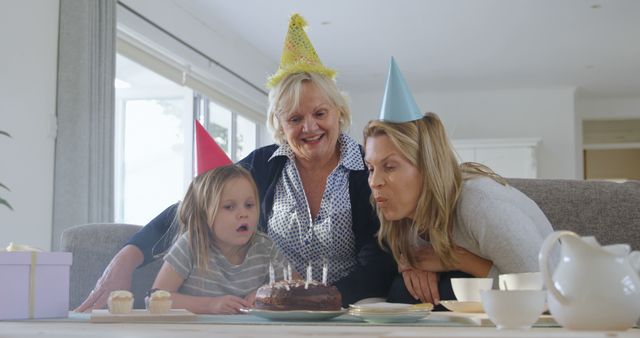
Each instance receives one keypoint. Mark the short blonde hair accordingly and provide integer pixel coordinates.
(284, 98)
(425, 144)
(199, 208)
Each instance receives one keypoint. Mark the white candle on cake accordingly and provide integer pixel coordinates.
(309, 276)
(325, 271)
(272, 274)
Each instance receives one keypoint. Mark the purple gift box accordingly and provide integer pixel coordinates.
(34, 285)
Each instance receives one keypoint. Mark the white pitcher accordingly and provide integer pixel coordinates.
(593, 287)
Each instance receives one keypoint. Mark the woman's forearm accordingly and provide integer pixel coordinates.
(128, 258)
(472, 264)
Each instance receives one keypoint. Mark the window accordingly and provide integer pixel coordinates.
(154, 139)
(235, 134)
(246, 137)
(152, 147)
(219, 126)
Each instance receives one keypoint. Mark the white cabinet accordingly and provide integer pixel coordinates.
(516, 158)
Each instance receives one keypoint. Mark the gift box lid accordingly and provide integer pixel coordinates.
(42, 258)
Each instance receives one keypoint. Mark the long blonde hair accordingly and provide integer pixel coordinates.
(284, 98)
(425, 144)
(199, 208)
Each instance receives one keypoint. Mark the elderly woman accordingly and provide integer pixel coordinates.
(312, 184)
(441, 219)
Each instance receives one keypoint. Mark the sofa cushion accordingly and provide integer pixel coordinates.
(607, 210)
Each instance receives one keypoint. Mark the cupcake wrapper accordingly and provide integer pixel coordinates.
(120, 306)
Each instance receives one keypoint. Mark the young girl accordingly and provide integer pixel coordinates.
(219, 260)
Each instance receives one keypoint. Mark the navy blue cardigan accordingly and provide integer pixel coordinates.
(376, 268)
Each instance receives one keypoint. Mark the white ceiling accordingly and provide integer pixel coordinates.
(452, 44)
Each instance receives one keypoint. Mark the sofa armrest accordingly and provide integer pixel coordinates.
(93, 246)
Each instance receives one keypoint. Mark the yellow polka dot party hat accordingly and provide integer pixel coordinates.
(298, 54)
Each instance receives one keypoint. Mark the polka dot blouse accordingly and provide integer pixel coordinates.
(329, 236)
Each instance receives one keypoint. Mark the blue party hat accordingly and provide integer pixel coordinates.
(398, 104)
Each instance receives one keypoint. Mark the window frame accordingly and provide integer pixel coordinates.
(202, 114)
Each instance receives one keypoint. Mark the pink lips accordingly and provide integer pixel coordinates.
(319, 138)
(243, 228)
(381, 201)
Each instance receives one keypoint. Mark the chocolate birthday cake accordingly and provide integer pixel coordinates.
(295, 295)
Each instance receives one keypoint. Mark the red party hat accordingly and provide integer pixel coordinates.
(209, 155)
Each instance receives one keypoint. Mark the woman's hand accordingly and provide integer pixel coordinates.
(403, 265)
(228, 305)
(251, 298)
(116, 276)
(422, 285)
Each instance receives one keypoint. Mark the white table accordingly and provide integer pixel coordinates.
(44, 329)
(70, 329)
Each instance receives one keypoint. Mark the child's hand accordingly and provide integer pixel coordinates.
(251, 298)
(228, 304)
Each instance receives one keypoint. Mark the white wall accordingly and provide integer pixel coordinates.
(29, 37)
(548, 114)
(608, 108)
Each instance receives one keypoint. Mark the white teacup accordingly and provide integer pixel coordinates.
(513, 309)
(521, 281)
(468, 289)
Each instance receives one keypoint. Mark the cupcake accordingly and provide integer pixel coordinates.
(120, 302)
(159, 302)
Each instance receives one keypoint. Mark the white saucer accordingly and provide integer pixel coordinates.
(294, 315)
(382, 312)
(406, 317)
(468, 307)
(383, 308)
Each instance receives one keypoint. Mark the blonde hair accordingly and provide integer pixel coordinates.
(284, 98)
(425, 144)
(199, 208)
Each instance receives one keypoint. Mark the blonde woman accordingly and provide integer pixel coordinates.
(437, 216)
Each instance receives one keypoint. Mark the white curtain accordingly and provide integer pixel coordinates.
(84, 160)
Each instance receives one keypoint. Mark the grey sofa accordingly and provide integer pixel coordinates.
(609, 211)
